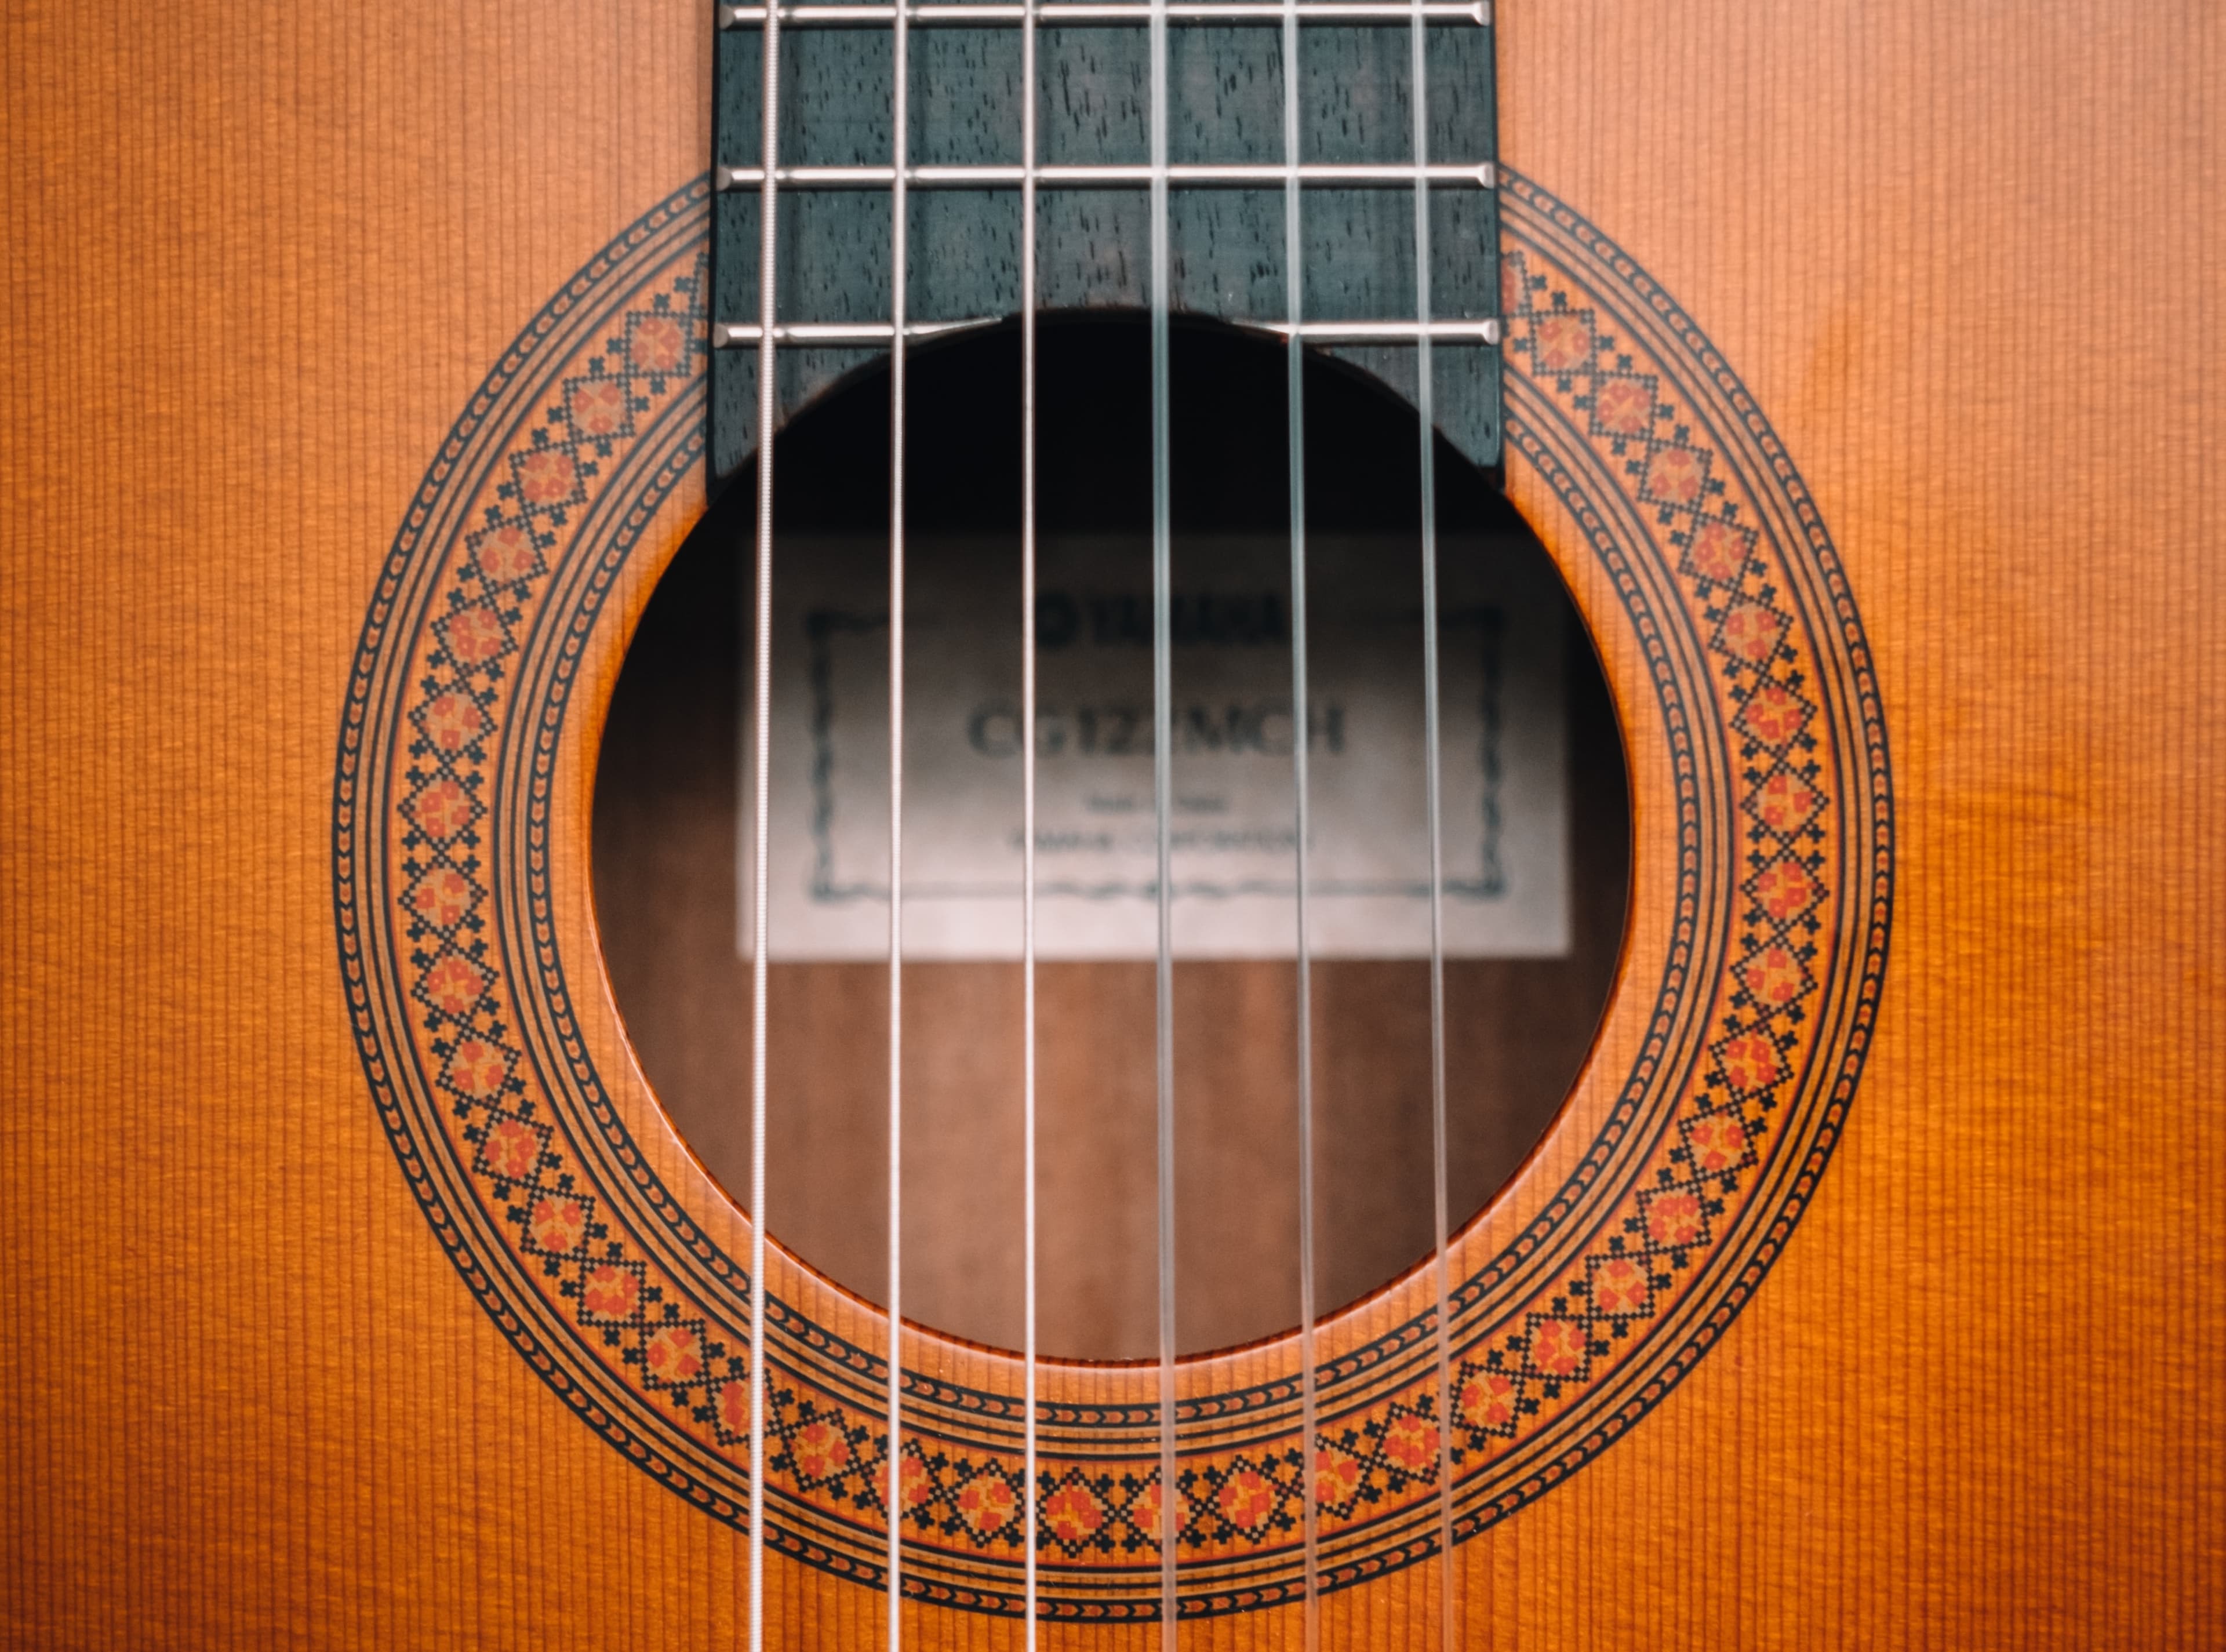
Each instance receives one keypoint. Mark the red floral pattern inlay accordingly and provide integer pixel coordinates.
(1337, 1477)
(656, 344)
(442, 810)
(1719, 552)
(441, 897)
(1675, 475)
(1673, 1220)
(598, 407)
(507, 554)
(1487, 1403)
(1619, 1286)
(1144, 1512)
(454, 720)
(988, 1504)
(820, 1450)
(1784, 803)
(1785, 890)
(1564, 342)
(912, 1483)
(547, 477)
(478, 1070)
(673, 1353)
(454, 984)
(1624, 406)
(1774, 975)
(1751, 1063)
(1774, 714)
(475, 635)
(1247, 1499)
(1412, 1443)
(559, 1225)
(1073, 1515)
(1557, 1346)
(1751, 631)
(608, 1291)
(1717, 1142)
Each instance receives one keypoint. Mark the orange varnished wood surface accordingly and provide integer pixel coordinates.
(256, 259)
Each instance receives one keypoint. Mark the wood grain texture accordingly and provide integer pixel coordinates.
(260, 256)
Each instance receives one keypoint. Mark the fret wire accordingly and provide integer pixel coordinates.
(900, 122)
(1186, 174)
(1029, 810)
(1089, 13)
(1426, 420)
(1295, 436)
(824, 334)
(1162, 787)
(769, 137)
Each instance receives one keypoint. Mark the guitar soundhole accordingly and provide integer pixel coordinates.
(1536, 825)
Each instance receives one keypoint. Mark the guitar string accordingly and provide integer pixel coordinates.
(760, 817)
(1162, 747)
(1426, 421)
(900, 117)
(1162, 786)
(1028, 1489)
(1295, 436)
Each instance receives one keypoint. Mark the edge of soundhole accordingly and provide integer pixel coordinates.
(1517, 1030)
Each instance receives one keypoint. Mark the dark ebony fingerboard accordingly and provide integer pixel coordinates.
(1226, 243)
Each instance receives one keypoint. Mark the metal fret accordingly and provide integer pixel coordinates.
(836, 335)
(1318, 175)
(1480, 331)
(1094, 13)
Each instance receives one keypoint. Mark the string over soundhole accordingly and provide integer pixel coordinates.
(1536, 840)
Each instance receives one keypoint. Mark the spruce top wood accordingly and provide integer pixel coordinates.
(254, 1401)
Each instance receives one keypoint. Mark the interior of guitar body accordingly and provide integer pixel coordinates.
(1531, 890)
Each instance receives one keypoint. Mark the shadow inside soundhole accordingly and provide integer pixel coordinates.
(665, 855)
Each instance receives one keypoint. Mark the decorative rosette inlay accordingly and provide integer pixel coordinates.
(1706, 1153)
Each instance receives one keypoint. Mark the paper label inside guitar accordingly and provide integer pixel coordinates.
(1502, 737)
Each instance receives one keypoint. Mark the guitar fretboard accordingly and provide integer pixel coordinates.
(1224, 186)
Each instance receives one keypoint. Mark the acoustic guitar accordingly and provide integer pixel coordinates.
(1112, 822)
